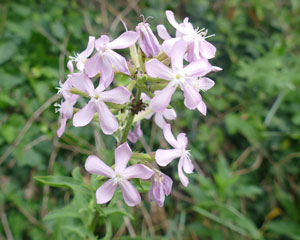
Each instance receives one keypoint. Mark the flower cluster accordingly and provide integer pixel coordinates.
(155, 72)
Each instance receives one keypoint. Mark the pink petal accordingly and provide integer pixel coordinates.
(107, 72)
(82, 83)
(125, 40)
(159, 120)
(206, 49)
(162, 32)
(94, 165)
(188, 166)
(205, 83)
(92, 66)
(184, 180)
(191, 97)
(198, 68)
(172, 21)
(155, 68)
(130, 194)
(90, 47)
(196, 51)
(101, 42)
(85, 115)
(70, 66)
(137, 171)
(162, 98)
(177, 54)
(164, 156)
(158, 193)
(167, 183)
(182, 140)
(61, 130)
(202, 108)
(169, 114)
(169, 136)
(108, 121)
(117, 61)
(168, 45)
(105, 193)
(119, 95)
(122, 156)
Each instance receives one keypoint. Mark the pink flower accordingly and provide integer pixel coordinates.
(161, 187)
(106, 61)
(163, 157)
(203, 84)
(147, 40)
(198, 47)
(66, 112)
(66, 107)
(108, 121)
(82, 57)
(136, 133)
(159, 117)
(178, 75)
(119, 176)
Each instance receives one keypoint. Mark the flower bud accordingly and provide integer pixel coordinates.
(147, 40)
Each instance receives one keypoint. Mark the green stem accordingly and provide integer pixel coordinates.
(130, 118)
(95, 221)
(78, 92)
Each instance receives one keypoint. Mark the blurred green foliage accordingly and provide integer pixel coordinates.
(246, 149)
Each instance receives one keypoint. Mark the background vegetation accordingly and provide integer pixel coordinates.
(246, 150)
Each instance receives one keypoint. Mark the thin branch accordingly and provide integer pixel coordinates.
(5, 224)
(28, 124)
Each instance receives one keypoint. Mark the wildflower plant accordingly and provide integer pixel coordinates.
(156, 70)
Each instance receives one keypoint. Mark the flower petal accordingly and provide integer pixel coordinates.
(85, 115)
(158, 193)
(130, 194)
(206, 49)
(205, 83)
(155, 68)
(191, 97)
(101, 42)
(105, 193)
(82, 83)
(107, 72)
(162, 32)
(169, 114)
(125, 40)
(172, 21)
(188, 166)
(182, 140)
(162, 98)
(184, 180)
(117, 61)
(164, 156)
(168, 45)
(177, 54)
(159, 120)
(167, 183)
(122, 156)
(169, 136)
(90, 47)
(92, 65)
(95, 165)
(198, 68)
(62, 127)
(202, 108)
(119, 95)
(108, 121)
(138, 171)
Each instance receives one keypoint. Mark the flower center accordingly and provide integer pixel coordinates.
(117, 179)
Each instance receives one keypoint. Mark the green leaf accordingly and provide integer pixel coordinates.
(7, 50)
(112, 210)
